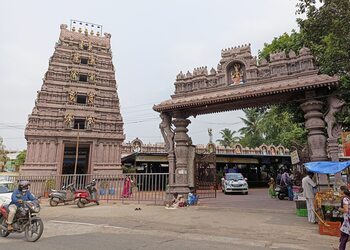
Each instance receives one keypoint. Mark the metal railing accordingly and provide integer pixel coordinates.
(140, 188)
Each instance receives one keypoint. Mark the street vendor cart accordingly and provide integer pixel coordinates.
(327, 202)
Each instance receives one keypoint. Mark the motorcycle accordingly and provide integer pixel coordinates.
(89, 195)
(25, 221)
(281, 192)
(62, 196)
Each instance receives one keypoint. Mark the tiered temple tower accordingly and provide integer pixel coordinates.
(78, 101)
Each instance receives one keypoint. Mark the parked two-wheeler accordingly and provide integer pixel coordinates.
(281, 192)
(25, 221)
(62, 196)
(86, 196)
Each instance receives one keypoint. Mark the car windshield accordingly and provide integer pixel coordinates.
(235, 177)
(6, 187)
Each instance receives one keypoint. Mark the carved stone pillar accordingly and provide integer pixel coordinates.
(333, 149)
(171, 160)
(315, 126)
(334, 129)
(181, 152)
(168, 135)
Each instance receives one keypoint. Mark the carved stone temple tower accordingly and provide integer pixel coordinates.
(78, 101)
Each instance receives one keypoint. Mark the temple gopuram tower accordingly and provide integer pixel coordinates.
(78, 102)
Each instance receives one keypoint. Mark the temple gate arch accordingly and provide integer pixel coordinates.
(240, 82)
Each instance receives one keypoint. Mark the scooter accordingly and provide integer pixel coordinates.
(281, 192)
(62, 196)
(89, 195)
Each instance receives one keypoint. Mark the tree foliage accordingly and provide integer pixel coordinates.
(278, 127)
(251, 133)
(20, 159)
(228, 137)
(284, 42)
(3, 155)
(272, 126)
(326, 31)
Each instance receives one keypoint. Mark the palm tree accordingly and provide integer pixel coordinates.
(251, 133)
(228, 137)
(251, 122)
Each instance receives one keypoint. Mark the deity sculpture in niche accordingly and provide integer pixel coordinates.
(81, 44)
(238, 149)
(68, 120)
(167, 132)
(91, 97)
(89, 122)
(237, 74)
(90, 46)
(91, 60)
(211, 147)
(280, 151)
(92, 77)
(72, 95)
(273, 151)
(136, 147)
(74, 75)
(76, 58)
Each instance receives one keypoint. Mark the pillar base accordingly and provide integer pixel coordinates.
(180, 189)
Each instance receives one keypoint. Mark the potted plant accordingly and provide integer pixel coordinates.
(50, 184)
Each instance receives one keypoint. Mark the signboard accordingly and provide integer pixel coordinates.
(294, 157)
(346, 143)
(152, 158)
(222, 159)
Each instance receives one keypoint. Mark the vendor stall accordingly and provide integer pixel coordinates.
(327, 202)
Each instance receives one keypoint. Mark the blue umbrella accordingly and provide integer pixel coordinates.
(326, 167)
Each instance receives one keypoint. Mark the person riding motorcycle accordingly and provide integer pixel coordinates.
(19, 195)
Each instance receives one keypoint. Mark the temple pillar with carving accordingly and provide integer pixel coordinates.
(315, 125)
(181, 152)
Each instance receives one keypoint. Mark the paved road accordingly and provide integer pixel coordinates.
(257, 198)
(230, 222)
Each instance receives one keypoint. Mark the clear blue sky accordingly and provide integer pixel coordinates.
(151, 42)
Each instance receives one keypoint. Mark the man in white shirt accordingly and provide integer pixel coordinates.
(308, 191)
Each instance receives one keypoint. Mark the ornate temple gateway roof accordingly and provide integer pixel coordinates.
(239, 82)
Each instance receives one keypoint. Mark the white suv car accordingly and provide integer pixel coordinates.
(6, 189)
(234, 183)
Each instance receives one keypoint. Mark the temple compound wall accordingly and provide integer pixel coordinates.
(78, 101)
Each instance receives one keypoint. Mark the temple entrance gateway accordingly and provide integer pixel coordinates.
(240, 82)
(70, 157)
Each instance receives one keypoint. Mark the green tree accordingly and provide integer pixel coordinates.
(3, 155)
(284, 43)
(326, 31)
(251, 122)
(228, 137)
(251, 133)
(278, 127)
(20, 159)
